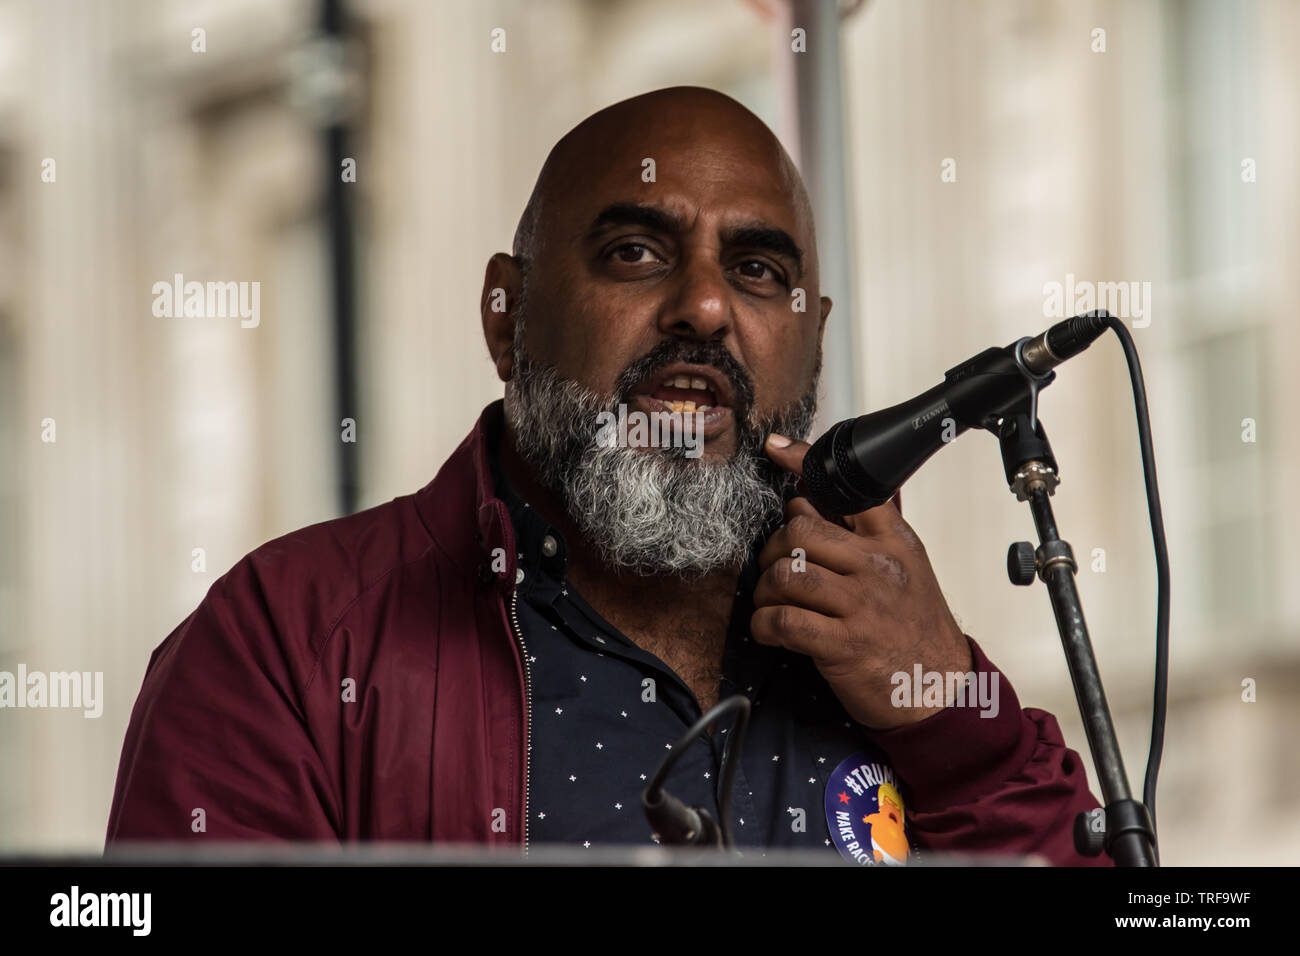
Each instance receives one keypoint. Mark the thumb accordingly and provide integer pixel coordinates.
(787, 452)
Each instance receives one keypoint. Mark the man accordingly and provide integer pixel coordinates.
(507, 655)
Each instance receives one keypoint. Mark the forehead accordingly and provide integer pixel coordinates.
(710, 175)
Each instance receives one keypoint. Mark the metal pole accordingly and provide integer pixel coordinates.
(342, 270)
(820, 119)
(1130, 837)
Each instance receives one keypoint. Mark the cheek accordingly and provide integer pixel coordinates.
(788, 363)
(591, 344)
(605, 331)
(563, 331)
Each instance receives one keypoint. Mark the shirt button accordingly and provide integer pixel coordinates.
(519, 575)
(549, 546)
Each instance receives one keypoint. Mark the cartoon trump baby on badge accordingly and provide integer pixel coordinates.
(888, 837)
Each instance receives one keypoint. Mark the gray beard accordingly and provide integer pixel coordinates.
(652, 511)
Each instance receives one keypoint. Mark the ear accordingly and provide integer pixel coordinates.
(498, 306)
(826, 311)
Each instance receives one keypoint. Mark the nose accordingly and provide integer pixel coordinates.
(700, 306)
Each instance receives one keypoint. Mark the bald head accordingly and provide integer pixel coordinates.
(649, 124)
(670, 229)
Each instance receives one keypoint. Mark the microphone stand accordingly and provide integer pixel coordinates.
(1032, 475)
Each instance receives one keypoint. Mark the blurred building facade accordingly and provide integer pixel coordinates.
(995, 148)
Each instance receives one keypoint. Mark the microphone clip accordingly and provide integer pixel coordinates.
(1035, 381)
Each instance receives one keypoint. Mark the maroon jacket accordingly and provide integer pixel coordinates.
(360, 680)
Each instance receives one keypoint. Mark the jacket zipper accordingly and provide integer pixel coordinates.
(528, 706)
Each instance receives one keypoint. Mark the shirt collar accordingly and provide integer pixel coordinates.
(539, 544)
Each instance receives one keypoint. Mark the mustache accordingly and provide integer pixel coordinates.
(695, 353)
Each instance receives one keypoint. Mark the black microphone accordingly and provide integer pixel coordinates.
(678, 824)
(861, 462)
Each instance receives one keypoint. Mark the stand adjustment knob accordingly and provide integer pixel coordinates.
(1090, 832)
(1021, 566)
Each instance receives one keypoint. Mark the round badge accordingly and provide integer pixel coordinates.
(864, 812)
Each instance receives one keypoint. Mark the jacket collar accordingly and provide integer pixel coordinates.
(460, 508)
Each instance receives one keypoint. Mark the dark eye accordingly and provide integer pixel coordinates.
(758, 269)
(632, 252)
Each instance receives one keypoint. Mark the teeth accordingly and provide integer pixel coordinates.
(699, 384)
(682, 381)
(688, 406)
(704, 408)
(677, 406)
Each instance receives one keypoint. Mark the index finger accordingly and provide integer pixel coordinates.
(880, 521)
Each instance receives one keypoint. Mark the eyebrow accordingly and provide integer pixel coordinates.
(752, 235)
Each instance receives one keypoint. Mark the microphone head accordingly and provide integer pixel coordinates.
(815, 481)
(832, 477)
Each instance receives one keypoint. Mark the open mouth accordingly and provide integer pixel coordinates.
(688, 388)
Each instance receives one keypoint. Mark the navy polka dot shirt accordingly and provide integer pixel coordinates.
(605, 713)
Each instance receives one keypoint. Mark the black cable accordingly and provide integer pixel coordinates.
(1161, 696)
(730, 757)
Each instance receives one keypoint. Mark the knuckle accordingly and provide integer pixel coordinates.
(909, 537)
(809, 581)
(760, 625)
(801, 527)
